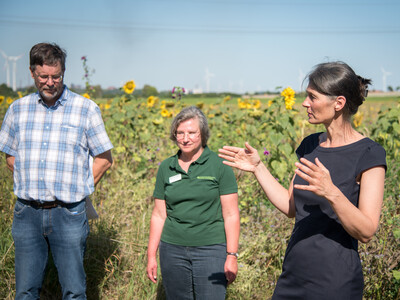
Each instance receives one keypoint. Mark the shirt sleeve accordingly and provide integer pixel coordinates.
(8, 141)
(375, 155)
(97, 137)
(159, 190)
(227, 181)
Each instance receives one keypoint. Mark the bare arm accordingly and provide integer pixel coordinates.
(156, 226)
(247, 159)
(10, 162)
(230, 213)
(362, 222)
(101, 164)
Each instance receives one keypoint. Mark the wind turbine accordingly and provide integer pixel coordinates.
(12, 59)
(384, 75)
(6, 66)
(207, 79)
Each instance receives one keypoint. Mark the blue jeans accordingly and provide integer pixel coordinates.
(193, 272)
(64, 231)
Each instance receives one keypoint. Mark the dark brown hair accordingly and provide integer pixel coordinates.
(47, 54)
(338, 79)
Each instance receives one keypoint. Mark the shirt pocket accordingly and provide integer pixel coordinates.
(72, 136)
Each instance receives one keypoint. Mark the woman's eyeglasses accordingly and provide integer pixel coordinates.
(191, 135)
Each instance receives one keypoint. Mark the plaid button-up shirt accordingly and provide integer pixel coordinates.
(53, 146)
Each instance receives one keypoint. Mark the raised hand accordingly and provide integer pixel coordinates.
(317, 175)
(246, 159)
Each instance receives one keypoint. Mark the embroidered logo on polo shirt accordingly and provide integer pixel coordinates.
(206, 177)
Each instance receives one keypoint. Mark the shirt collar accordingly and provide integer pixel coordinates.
(61, 101)
(202, 159)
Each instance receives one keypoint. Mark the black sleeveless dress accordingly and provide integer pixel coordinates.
(321, 260)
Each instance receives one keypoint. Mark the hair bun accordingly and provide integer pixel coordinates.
(364, 86)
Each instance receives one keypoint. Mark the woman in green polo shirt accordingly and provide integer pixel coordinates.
(195, 221)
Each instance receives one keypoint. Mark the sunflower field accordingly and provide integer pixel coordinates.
(116, 260)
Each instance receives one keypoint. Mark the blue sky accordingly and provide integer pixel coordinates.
(249, 45)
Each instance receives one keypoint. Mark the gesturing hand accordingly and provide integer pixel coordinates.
(318, 177)
(246, 159)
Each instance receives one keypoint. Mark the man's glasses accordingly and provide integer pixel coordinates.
(191, 135)
(45, 78)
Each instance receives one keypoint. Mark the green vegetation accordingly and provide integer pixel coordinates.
(116, 252)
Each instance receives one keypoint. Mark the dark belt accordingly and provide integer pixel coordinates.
(47, 204)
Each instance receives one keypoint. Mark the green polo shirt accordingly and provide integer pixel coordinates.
(194, 215)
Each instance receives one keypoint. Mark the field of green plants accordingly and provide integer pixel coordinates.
(138, 128)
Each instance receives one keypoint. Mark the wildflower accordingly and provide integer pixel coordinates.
(129, 87)
(177, 92)
(270, 103)
(1, 100)
(86, 95)
(357, 119)
(83, 58)
(19, 94)
(210, 116)
(244, 220)
(266, 152)
(9, 100)
(107, 106)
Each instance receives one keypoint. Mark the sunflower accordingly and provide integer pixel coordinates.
(358, 118)
(289, 94)
(9, 100)
(86, 95)
(129, 87)
(227, 98)
(200, 105)
(166, 113)
(289, 102)
(158, 121)
(1, 99)
(151, 101)
(256, 103)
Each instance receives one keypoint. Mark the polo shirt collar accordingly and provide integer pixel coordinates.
(61, 101)
(202, 159)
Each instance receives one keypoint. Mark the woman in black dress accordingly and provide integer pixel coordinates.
(336, 192)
